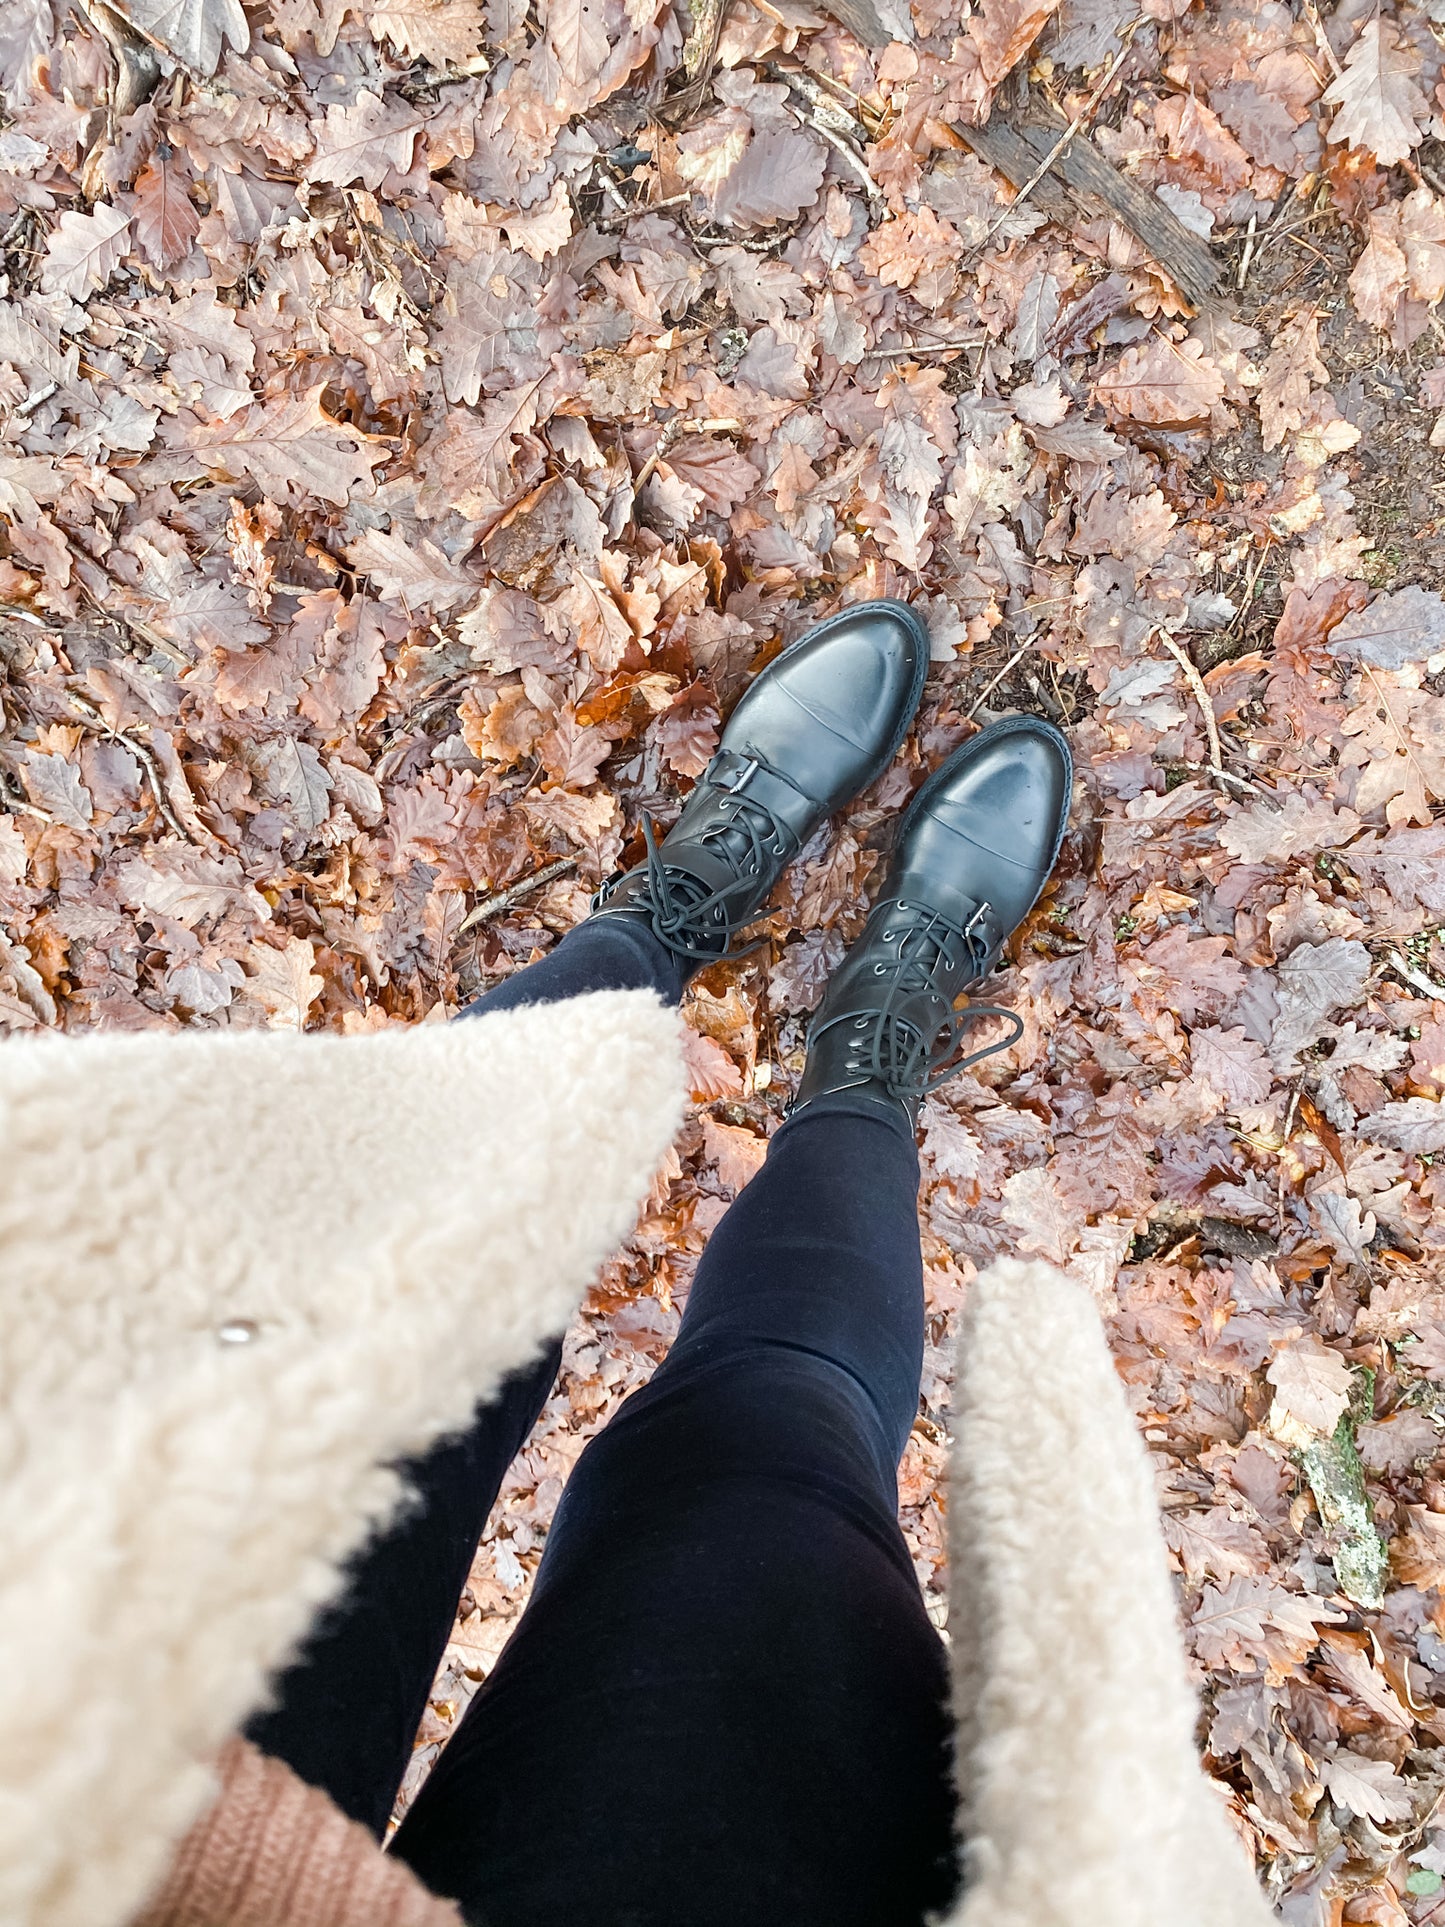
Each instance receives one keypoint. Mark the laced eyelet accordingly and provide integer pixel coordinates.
(880, 970)
(860, 1023)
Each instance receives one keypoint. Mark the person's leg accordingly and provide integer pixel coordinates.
(815, 727)
(601, 953)
(725, 1700)
(346, 1712)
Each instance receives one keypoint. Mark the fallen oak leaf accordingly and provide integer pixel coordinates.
(364, 142)
(687, 733)
(1392, 630)
(84, 251)
(1417, 1555)
(282, 981)
(444, 33)
(1413, 1124)
(166, 224)
(1369, 1788)
(194, 31)
(1232, 1065)
(1166, 384)
(1312, 1390)
(416, 573)
(54, 786)
(291, 447)
(1378, 106)
(711, 1072)
(737, 1153)
(1004, 31)
(1214, 1543)
(1293, 365)
(1254, 1619)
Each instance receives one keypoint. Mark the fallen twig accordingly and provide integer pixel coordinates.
(494, 905)
(1248, 254)
(1416, 978)
(927, 348)
(846, 153)
(1201, 696)
(608, 223)
(989, 687)
(92, 720)
(1225, 776)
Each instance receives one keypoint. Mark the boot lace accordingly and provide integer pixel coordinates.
(689, 919)
(894, 1049)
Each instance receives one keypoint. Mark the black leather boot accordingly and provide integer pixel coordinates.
(819, 724)
(975, 850)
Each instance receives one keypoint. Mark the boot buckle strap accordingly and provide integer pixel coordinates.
(741, 777)
(984, 924)
(747, 779)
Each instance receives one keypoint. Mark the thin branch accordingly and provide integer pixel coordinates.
(1418, 980)
(493, 906)
(851, 159)
(1225, 776)
(92, 720)
(919, 349)
(1201, 696)
(1014, 660)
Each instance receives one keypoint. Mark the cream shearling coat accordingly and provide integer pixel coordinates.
(240, 1274)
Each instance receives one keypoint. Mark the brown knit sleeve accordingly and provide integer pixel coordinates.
(274, 1852)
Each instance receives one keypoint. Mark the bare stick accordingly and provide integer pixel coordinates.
(143, 754)
(1014, 660)
(1201, 696)
(493, 906)
(1416, 978)
(1226, 776)
(918, 349)
(851, 160)
(1248, 254)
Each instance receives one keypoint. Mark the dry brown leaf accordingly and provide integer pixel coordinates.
(282, 981)
(738, 1154)
(1377, 104)
(1293, 365)
(84, 251)
(1169, 384)
(291, 447)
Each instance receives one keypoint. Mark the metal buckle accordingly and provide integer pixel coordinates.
(977, 918)
(606, 889)
(743, 778)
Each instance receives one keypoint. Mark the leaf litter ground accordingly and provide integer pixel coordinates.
(418, 423)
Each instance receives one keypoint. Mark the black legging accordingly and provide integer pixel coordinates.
(724, 1702)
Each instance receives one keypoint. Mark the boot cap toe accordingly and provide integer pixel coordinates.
(834, 707)
(993, 815)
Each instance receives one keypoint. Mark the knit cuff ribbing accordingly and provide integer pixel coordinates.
(275, 1852)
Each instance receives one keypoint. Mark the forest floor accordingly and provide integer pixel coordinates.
(419, 420)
